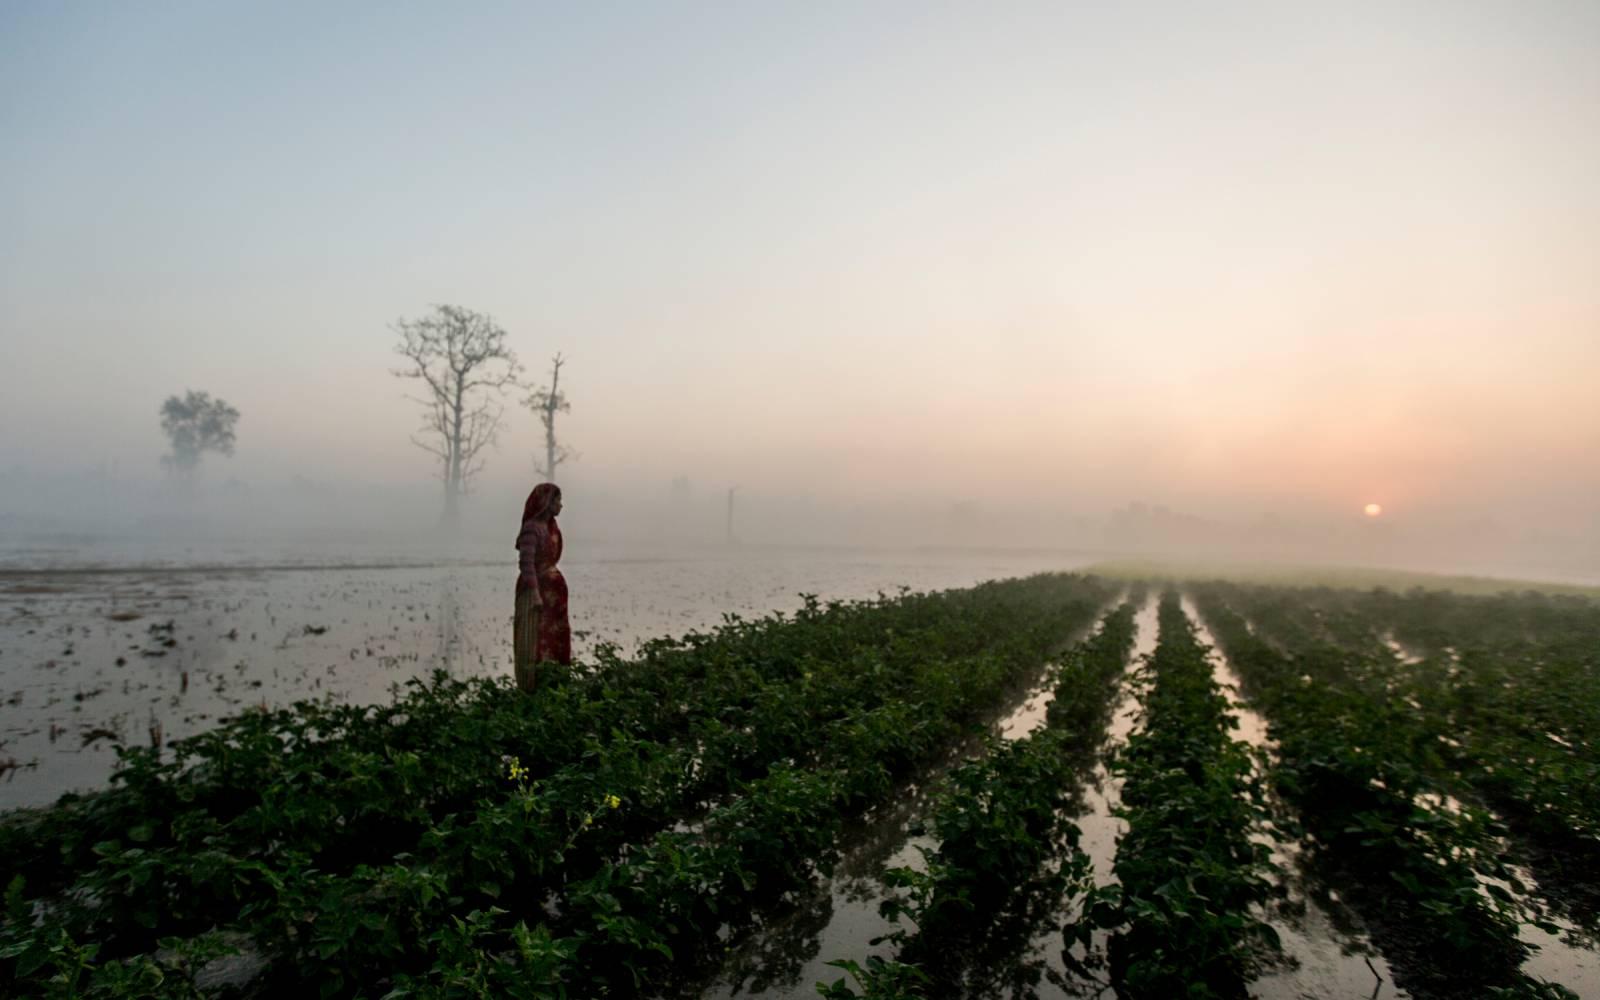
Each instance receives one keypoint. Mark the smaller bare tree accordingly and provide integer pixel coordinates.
(547, 401)
(462, 358)
(194, 425)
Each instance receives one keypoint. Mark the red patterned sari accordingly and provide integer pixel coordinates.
(540, 631)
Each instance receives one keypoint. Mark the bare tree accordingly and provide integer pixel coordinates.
(461, 357)
(196, 424)
(547, 401)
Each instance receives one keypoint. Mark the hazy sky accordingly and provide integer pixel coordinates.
(1048, 257)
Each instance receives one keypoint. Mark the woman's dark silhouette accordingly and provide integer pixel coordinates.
(540, 631)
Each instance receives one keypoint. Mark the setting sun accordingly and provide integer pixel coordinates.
(1372, 509)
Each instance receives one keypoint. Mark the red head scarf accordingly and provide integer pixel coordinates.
(540, 501)
(536, 509)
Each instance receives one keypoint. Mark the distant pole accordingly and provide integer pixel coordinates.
(731, 491)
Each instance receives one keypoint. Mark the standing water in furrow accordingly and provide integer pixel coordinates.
(1007, 860)
(1101, 822)
(1351, 762)
(1504, 689)
(1323, 955)
(839, 915)
(1192, 879)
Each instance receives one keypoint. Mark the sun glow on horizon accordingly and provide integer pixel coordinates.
(1372, 509)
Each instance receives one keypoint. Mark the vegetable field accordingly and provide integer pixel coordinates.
(1425, 789)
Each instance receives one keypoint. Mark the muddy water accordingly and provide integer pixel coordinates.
(1332, 958)
(1023, 720)
(1252, 727)
(1560, 959)
(1327, 955)
(840, 919)
(1030, 715)
(1563, 957)
(788, 958)
(1099, 828)
(93, 653)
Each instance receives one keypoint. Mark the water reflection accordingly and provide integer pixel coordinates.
(74, 640)
(1325, 947)
(448, 626)
(842, 918)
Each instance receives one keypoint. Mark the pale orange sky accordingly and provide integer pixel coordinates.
(1042, 256)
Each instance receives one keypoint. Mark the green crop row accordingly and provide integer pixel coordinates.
(1431, 620)
(1007, 860)
(1512, 708)
(645, 804)
(1192, 878)
(1360, 765)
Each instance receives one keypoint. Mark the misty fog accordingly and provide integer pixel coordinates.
(1023, 499)
(1133, 281)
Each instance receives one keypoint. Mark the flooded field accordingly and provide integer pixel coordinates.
(841, 918)
(100, 645)
(1323, 946)
(1042, 788)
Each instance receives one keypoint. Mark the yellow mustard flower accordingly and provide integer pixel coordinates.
(613, 801)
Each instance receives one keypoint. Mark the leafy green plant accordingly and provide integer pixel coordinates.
(1007, 857)
(1359, 757)
(879, 979)
(1193, 879)
(656, 801)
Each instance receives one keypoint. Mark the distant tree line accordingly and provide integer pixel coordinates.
(464, 368)
(195, 424)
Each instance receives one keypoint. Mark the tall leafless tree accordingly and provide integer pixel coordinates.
(462, 359)
(547, 401)
(196, 424)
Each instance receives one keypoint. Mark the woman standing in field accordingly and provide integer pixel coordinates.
(539, 630)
